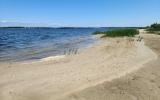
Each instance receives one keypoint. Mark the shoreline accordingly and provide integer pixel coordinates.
(34, 44)
(80, 49)
(106, 61)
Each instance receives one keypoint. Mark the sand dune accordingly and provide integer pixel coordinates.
(86, 76)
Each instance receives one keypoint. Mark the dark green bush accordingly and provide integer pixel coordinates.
(154, 27)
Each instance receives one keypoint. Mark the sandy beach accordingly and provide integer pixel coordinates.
(113, 69)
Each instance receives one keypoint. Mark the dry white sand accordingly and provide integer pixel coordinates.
(58, 77)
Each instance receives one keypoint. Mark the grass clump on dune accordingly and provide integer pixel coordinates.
(119, 33)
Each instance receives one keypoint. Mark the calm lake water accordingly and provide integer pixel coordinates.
(19, 44)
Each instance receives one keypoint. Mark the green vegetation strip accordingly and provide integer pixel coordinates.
(119, 33)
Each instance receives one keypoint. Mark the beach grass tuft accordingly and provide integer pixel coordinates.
(119, 33)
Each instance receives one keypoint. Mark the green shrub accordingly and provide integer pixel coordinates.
(120, 33)
(154, 27)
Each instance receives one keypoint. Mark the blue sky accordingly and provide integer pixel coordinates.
(81, 12)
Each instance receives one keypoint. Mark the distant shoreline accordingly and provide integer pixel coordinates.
(8, 27)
